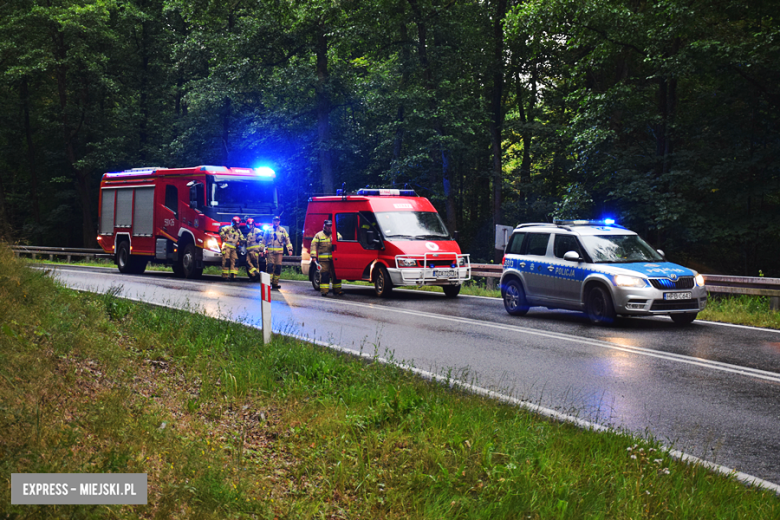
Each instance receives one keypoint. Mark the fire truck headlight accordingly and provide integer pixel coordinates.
(211, 243)
(407, 262)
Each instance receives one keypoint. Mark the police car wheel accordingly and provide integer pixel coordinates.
(599, 307)
(382, 284)
(684, 319)
(514, 298)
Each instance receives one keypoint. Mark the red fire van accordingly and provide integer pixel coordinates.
(388, 237)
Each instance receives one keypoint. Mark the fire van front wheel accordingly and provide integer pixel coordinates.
(451, 291)
(382, 284)
(314, 276)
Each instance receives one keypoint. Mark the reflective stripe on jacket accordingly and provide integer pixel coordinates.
(254, 240)
(276, 239)
(322, 246)
(230, 236)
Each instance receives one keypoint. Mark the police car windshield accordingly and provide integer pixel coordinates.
(619, 249)
(242, 194)
(412, 225)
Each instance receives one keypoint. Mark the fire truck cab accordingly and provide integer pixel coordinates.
(172, 216)
(387, 237)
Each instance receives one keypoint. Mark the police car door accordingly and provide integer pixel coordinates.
(539, 282)
(568, 278)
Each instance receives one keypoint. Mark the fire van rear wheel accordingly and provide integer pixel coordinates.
(314, 276)
(382, 284)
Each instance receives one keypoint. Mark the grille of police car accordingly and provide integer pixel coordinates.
(686, 282)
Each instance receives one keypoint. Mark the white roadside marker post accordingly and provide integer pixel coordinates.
(265, 306)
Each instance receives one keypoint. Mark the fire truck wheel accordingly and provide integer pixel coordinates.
(188, 262)
(382, 284)
(314, 277)
(127, 263)
(451, 291)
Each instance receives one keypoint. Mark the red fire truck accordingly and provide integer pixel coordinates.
(388, 237)
(172, 216)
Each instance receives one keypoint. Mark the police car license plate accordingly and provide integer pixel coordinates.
(444, 273)
(677, 296)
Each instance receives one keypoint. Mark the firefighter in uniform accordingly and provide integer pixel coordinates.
(276, 241)
(255, 249)
(231, 237)
(322, 254)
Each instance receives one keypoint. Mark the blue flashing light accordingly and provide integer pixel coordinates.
(609, 221)
(386, 192)
(265, 171)
(266, 227)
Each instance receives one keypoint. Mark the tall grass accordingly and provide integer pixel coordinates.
(226, 427)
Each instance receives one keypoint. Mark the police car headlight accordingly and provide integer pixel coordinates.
(622, 280)
(407, 262)
(699, 280)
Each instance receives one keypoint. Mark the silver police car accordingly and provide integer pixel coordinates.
(597, 267)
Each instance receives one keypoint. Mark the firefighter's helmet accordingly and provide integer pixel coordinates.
(236, 220)
(250, 222)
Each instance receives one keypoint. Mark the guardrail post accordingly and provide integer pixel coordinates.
(68, 259)
(491, 283)
(774, 303)
(265, 306)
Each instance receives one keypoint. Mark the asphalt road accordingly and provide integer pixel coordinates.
(709, 390)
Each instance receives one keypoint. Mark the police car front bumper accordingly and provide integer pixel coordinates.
(649, 301)
(429, 276)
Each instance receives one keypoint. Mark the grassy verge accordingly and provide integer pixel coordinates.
(226, 427)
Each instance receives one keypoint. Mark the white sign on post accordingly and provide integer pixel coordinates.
(502, 236)
(265, 306)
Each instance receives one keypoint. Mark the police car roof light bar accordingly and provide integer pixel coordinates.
(605, 222)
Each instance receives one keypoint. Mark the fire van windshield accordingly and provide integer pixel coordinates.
(412, 225)
(245, 195)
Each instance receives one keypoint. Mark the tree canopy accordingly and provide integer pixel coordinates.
(663, 115)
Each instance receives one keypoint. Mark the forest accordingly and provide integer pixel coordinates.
(664, 115)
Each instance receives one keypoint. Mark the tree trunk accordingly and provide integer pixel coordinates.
(323, 112)
(80, 178)
(30, 153)
(227, 110)
(497, 113)
(399, 131)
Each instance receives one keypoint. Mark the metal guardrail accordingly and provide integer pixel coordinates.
(67, 252)
(719, 284)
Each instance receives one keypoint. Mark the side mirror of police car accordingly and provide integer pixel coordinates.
(660, 252)
(572, 256)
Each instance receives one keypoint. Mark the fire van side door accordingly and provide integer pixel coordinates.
(350, 257)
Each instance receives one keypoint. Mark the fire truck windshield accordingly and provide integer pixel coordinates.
(412, 225)
(242, 195)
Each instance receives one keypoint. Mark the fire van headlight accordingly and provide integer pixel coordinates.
(462, 261)
(211, 243)
(699, 280)
(407, 262)
(622, 280)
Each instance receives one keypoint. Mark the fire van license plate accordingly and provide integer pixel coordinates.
(444, 273)
(677, 296)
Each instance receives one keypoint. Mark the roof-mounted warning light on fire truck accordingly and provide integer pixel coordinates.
(387, 193)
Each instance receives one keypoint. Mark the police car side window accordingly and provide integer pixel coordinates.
(537, 244)
(565, 243)
(515, 244)
(346, 226)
